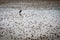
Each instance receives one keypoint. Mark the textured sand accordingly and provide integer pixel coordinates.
(38, 21)
(32, 24)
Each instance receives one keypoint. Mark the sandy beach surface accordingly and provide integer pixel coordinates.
(38, 21)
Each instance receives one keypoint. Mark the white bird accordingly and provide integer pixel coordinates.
(20, 12)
